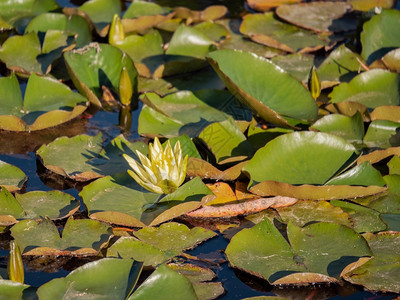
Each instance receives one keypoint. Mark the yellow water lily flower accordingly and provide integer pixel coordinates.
(163, 172)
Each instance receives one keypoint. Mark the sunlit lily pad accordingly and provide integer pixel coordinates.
(55, 21)
(98, 65)
(341, 65)
(187, 112)
(315, 248)
(165, 283)
(14, 290)
(372, 88)
(93, 281)
(83, 158)
(307, 212)
(200, 278)
(12, 11)
(79, 237)
(11, 177)
(154, 246)
(382, 134)
(266, 29)
(385, 26)
(25, 54)
(260, 89)
(318, 16)
(210, 13)
(101, 12)
(392, 60)
(265, 5)
(322, 155)
(297, 64)
(53, 204)
(382, 272)
(348, 128)
(137, 207)
(47, 102)
(365, 219)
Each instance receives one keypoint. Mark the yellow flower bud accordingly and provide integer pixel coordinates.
(15, 266)
(116, 32)
(314, 85)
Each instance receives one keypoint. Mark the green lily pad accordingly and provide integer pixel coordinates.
(92, 281)
(12, 11)
(47, 103)
(383, 25)
(53, 204)
(13, 290)
(11, 177)
(268, 30)
(365, 219)
(362, 174)
(318, 16)
(215, 32)
(392, 60)
(25, 55)
(348, 128)
(315, 248)
(237, 41)
(155, 246)
(382, 134)
(394, 165)
(307, 212)
(260, 89)
(98, 65)
(372, 89)
(82, 157)
(200, 278)
(101, 12)
(226, 142)
(137, 207)
(164, 283)
(300, 158)
(297, 64)
(55, 21)
(79, 237)
(341, 65)
(381, 273)
(187, 112)
(140, 8)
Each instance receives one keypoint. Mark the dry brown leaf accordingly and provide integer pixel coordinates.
(244, 208)
(378, 155)
(265, 5)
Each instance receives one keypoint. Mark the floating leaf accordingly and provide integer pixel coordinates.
(264, 5)
(226, 142)
(383, 271)
(383, 25)
(271, 257)
(372, 88)
(53, 204)
(14, 290)
(296, 64)
(279, 159)
(47, 103)
(386, 112)
(261, 90)
(55, 21)
(11, 177)
(362, 174)
(79, 237)
(382, 134)
(341, 65)
(266, 29)
(93, 281)
(162, 283)
(101, 12)
(392, 60)
(366, 5)
(307, 212)
(312, 192)
(348, 128)
(365, 219)
(135, 206)
(318, 16)
(98, 65)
